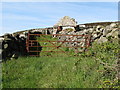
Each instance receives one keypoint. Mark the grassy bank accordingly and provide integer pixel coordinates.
(96, 68)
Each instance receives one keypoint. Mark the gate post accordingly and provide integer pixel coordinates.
(89, 40)
(27, 43)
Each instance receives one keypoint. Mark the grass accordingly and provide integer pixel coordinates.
(95, 68)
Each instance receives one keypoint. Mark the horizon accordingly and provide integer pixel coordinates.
(19, 16)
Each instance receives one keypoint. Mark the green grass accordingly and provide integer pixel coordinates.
(93, 69)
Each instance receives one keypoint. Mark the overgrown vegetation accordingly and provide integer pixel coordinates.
(96, 68)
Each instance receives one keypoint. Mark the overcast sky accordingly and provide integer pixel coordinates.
(17, 16)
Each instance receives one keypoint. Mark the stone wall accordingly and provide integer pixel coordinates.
(99, 33)
(14, 45)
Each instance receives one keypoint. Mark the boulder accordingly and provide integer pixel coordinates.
(62, 38)
(90, 30)
(114, 25)
(66, 21)
(96, 35)
(115, 33)
(102, 39)
(99, 28)
(54, 32)
(65, 24)
(105, 32)
(82, 26)
(108, 35)
(23, 35)
(80, 33)
(1, 39)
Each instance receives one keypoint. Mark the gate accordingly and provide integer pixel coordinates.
(47, 45)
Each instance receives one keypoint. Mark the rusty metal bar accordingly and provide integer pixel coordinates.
(45, 51)
(58, 46)
(89, 40)
(54, 41)
(58, 35)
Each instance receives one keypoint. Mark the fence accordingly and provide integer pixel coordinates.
(46, 45)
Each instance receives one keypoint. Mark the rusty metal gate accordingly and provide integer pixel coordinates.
(47, 45)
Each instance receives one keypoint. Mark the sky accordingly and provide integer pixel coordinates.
(18, 16)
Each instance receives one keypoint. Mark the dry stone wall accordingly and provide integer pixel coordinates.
(13, 45)
(98, 33)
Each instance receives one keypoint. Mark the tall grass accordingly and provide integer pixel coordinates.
(95, 68)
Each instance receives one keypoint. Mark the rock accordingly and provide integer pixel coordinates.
(15, 55)
(80, 27)
(80, 33)
(54, 32)
(65, 24)
(66, 21)
(108, 35)
(85, 31)
(1, 39)
(115, 33)
(99, 28)
(105, 32)
(114, 25)
(0, 52)
(96, 35)
(70, 28)
(5, 45)
(22, 36)
(102, 39)
(71, 33)
(108, 27)
(90, 30)
(62, 38)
